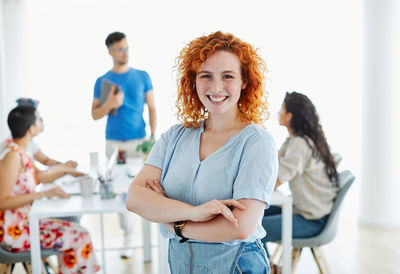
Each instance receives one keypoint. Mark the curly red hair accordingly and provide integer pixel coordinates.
(252, 102)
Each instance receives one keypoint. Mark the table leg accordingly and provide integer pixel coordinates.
(162, 254)
(146, 228)
(103, 258)
(35, 244)
(287, 237)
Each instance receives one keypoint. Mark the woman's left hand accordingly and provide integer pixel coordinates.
(155, 186)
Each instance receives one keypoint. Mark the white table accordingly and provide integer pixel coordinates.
(277, 198)
(77, 205)
(286, 202)
(93, 205)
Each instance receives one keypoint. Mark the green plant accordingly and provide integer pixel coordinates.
(146, 146)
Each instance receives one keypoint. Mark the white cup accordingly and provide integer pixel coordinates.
(86, 184)
(94, 159)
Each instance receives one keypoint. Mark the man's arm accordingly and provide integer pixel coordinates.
(99, 112)
(44, 159)
(152, 111)
(114, 100)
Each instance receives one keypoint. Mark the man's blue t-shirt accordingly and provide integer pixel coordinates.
(128, 123)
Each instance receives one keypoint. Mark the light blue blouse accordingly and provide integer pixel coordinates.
(244, 167)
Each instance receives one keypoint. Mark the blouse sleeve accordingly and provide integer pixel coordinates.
(258, 169)
(293, 161)
(159, 151)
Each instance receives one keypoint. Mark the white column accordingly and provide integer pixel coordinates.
(3, 112)
(380, 185)
(13, 56)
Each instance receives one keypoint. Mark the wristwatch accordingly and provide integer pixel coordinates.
(178, 230)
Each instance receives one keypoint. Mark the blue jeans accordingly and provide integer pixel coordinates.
(253, 259)
(302, 228)
(216, 258)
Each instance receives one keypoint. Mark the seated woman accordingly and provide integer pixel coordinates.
(36, 153)
(218, 168)
(55, 169)
(306, 162)
(17, 192)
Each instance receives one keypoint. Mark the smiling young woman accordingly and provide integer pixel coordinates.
(208, 180)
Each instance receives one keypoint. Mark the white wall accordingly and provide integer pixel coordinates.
(309, 46)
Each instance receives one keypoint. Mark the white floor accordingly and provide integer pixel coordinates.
(354, 250)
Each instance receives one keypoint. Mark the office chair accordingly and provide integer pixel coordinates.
(9, 259)
(346, 179)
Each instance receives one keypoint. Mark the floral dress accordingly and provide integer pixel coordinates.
(72, 240)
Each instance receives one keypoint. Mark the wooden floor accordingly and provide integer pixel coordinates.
(355, 249)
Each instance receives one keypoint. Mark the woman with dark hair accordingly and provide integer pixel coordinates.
(306, 162)
(55, 168)
(208, 179)
(17, 192)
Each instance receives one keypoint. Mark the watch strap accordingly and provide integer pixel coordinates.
(178, 230)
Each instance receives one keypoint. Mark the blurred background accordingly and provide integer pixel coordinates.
(309, 46)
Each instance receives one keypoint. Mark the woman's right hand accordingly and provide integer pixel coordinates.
(56, 192)
(211, 209)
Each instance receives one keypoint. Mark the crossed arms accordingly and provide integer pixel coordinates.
(213, 221)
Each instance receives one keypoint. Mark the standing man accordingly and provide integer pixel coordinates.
(130, 90)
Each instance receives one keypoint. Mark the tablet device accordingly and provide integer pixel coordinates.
(105, 89)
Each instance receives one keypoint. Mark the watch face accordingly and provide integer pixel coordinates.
(179, 224)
